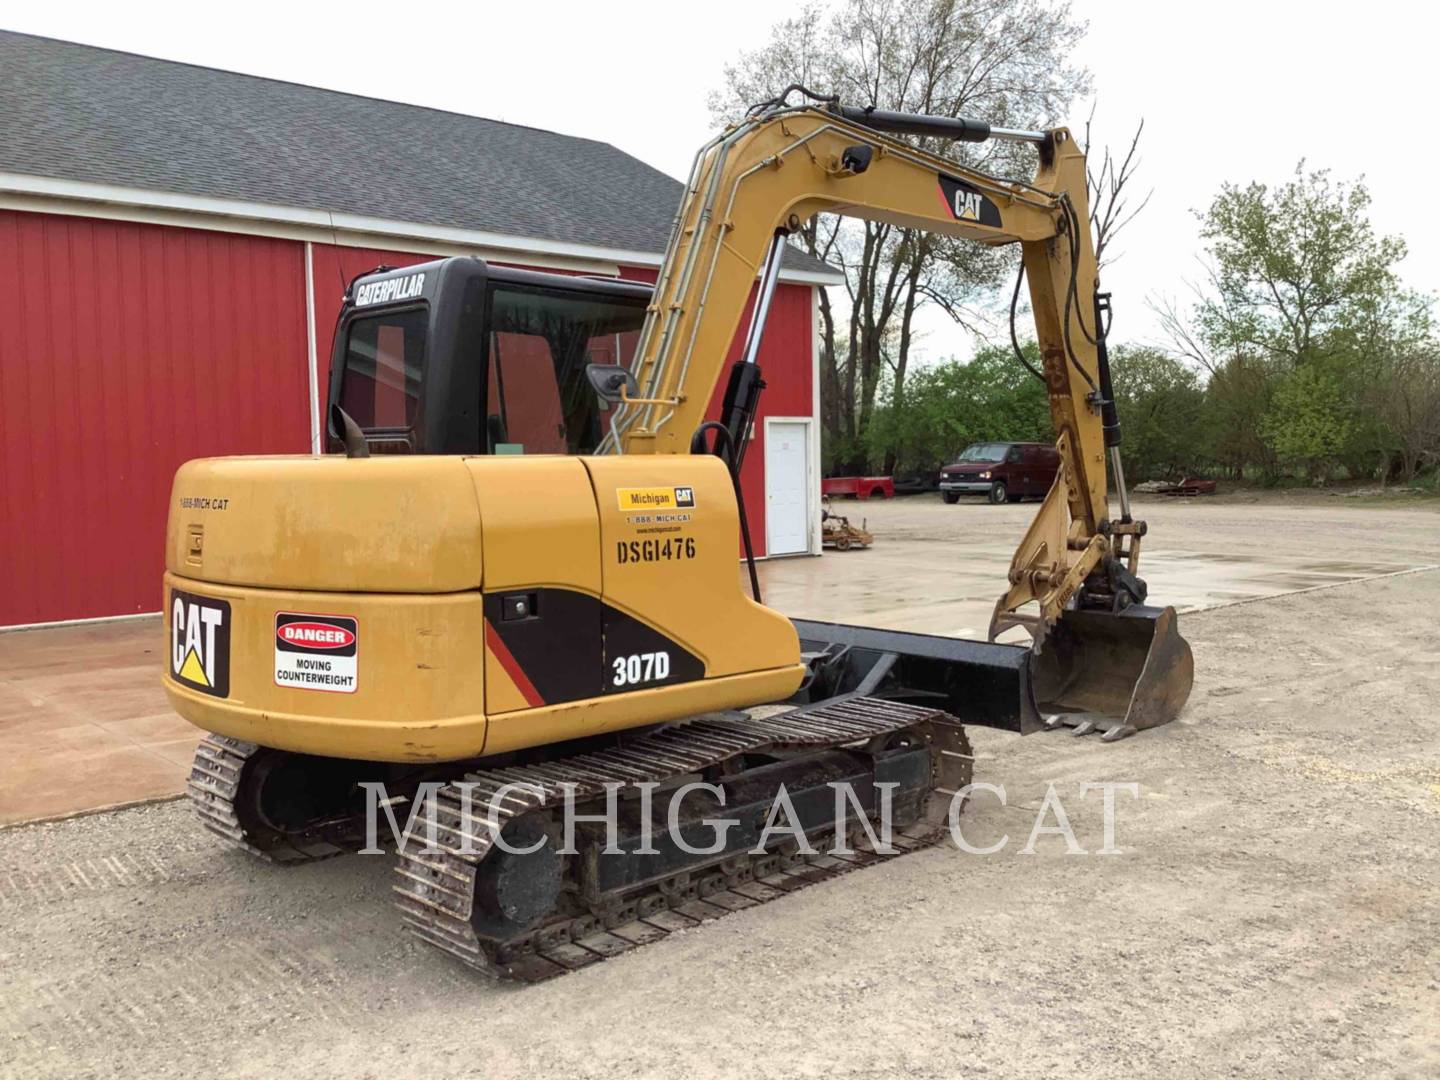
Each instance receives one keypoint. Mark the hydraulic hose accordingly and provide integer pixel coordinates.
(727, 455)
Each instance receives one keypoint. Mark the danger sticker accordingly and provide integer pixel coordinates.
(316, 652)
(655, 498)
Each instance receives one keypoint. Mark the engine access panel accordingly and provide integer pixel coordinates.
(612, 594)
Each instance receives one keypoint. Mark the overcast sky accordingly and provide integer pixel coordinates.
(1229, 91)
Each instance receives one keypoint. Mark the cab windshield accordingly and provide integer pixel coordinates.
(993, 451)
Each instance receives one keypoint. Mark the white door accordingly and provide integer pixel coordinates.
(787, 487)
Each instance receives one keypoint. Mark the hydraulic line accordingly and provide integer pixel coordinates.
(698, 446)
(1014, 340)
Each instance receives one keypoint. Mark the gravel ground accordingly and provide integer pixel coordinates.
(1275, 909)
(1304, 522)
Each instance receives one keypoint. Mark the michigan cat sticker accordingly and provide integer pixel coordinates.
(656, 498)
(200, 643)
(317, 652)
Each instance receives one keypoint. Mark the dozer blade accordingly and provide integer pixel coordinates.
(1116, 673)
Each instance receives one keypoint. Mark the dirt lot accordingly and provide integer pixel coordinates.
(1275, 910)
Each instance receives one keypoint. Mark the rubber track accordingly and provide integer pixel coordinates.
(434, 891)
(214, 784)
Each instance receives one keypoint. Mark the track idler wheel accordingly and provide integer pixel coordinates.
(515, 889)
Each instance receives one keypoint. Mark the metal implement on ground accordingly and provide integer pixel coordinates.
(837, 532)
(515, 588)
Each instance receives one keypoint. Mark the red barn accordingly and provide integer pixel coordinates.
(174, 242)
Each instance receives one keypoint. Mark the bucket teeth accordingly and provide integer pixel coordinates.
(1114, 672)
(1111, 730)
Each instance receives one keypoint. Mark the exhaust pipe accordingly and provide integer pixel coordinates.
(349, 432)
(1113, 672)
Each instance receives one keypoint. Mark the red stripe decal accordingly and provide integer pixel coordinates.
(949, 206)
(512, 667)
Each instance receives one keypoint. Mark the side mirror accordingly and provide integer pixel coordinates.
(610, 380)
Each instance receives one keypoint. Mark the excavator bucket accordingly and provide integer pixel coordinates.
(1116, 673)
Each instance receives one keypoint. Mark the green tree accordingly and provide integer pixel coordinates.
(1162, 414)
(1300, 280)
(1296, 267)
(1237, 397)
(1389, 366)
(949, 405)
(1310, 422)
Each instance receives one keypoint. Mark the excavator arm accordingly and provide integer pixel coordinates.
(766, 176)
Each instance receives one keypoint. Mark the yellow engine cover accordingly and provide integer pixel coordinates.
(439, 608)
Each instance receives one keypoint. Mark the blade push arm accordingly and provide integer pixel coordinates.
(777, 170)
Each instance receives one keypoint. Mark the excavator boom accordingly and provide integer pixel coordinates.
(761, 180)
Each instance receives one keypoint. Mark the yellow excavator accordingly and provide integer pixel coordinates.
(515, 591)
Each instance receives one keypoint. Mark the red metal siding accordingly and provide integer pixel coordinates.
(126, 349)
(787, 363)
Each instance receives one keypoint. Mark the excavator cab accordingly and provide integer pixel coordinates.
(459, 356)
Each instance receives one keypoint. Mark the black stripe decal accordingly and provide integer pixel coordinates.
(568, 642)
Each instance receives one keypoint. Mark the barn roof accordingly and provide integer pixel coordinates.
(98, 116)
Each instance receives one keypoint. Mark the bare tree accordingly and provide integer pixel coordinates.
(800, 51)
(1181, 337)
(1006, 61)
(1111, 204)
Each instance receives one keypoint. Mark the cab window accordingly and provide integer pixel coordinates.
(384, 355)
(537, 398)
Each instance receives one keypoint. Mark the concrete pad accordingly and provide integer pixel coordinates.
(938, 569)
(105, 772)
(83, 721)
